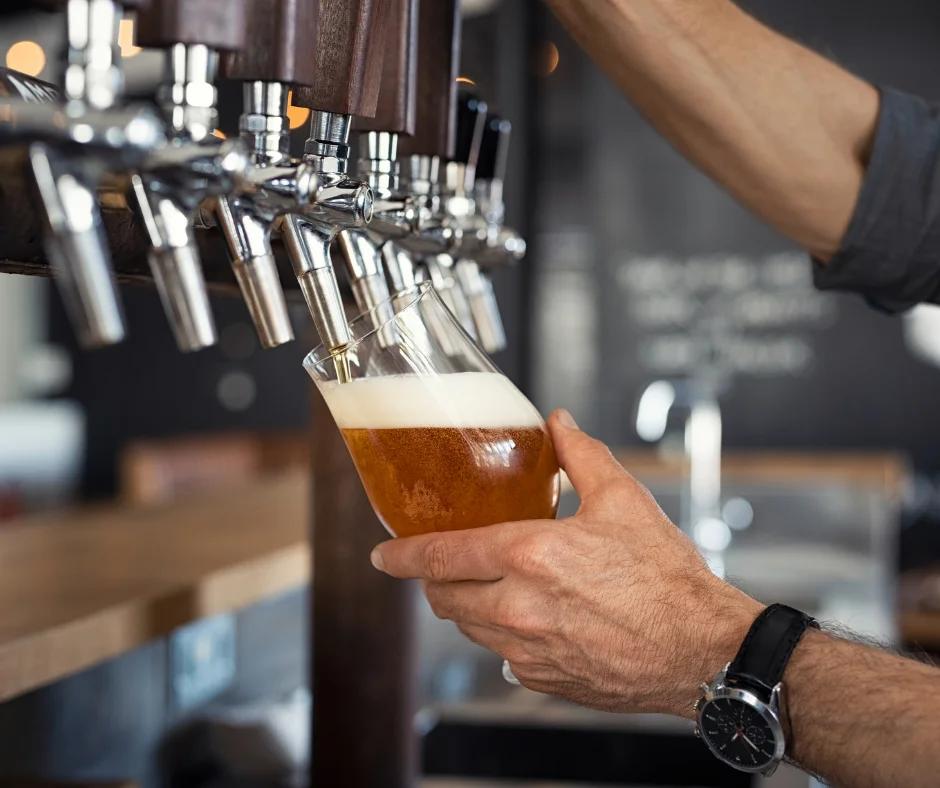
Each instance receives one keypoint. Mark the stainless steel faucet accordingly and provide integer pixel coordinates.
(394, 217)
(273, 186)
(73, 144)
(174, 180)
(486, 243)
(700, 514)
(340, 203)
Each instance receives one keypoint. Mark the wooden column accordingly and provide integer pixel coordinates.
(364, 655)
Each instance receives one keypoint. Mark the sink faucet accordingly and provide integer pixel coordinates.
(74, 143)
(177, 177)
(700, 513)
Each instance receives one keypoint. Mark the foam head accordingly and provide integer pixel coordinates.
(457, 400)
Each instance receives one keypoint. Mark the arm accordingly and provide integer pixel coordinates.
(786, 131)
(614, 608)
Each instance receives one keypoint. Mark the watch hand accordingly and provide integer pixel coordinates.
(750, 742)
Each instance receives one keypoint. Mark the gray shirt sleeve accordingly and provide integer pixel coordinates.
(891, 251)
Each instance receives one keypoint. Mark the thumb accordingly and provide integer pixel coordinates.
(588, 462)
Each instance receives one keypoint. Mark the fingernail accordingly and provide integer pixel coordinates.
(567, 420)
(377, 561)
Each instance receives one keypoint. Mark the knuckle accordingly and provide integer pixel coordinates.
(436, 559)
(536, 553)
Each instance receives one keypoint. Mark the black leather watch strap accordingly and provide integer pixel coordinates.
(763, 656)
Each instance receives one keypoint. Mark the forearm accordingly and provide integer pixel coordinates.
(784, 130)
(862, 716)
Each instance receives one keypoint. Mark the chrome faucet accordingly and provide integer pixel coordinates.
(72, 145)
(700, 508)
(486, 242)
(273, 186)
(340, 203)
(394, 217)
(174, 180)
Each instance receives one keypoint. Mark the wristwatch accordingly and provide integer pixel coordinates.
(741, 713)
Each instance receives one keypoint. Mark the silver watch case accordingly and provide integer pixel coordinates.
(770, 712)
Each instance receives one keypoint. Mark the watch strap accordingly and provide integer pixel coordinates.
(765, 652)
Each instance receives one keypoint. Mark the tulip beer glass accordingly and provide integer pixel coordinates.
(441, 439)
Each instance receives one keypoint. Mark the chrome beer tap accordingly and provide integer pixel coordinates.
(394, 218)
(72, 145)
(485, 242)
(275, 184)
(340, 203)
(173, 181)
(347, 76)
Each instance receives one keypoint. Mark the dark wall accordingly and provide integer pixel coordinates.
(648, 270)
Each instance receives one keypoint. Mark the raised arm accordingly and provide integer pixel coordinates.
(786, 131)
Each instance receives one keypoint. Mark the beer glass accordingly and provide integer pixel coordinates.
(442, 440)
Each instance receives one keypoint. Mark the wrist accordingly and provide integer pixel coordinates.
(730, 615)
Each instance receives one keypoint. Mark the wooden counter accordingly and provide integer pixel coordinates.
(82, 586)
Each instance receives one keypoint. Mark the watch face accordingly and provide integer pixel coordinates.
(737, 733)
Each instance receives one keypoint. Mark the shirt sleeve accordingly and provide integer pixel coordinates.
(891, 251)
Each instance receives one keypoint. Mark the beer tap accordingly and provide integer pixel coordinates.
(479, 210)
(275, 184)
(72, 145)
(425, 158)
(173, 181)
(395, 215)
(503, 244)
(348, 72)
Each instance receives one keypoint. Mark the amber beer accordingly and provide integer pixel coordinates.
(447, 452)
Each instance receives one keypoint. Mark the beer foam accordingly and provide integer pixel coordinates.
(459, 399)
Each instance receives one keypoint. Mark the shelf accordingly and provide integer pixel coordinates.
(82, 586)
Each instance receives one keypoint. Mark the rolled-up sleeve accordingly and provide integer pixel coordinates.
(891, 251)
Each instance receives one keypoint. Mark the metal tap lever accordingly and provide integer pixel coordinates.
(175, 179)
(275, 184)
(349, 67)
(72, 146)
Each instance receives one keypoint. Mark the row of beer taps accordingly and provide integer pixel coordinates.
(396, 219)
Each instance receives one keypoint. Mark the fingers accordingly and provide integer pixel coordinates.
(588, 462)
(445, 556)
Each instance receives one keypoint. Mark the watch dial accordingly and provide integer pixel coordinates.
(737, 733)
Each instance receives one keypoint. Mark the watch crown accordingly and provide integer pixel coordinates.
(697, 732)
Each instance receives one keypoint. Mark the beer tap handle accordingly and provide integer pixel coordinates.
(217, 24)
(395, 110)
(494, 149)
(348, 75)
(170, 187)
(503, 243)
(280, 55)
(438, 59)
(280, 51)
(471, 118)
(349, 57)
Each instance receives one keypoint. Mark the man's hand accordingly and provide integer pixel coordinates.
(612, 608)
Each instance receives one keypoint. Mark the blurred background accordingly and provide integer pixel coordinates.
(648, 301)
